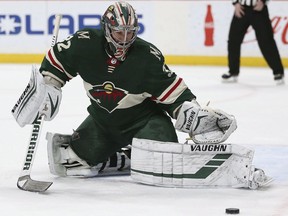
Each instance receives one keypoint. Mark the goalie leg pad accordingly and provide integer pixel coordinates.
(60, 156)
(185, 165)
(64, 162)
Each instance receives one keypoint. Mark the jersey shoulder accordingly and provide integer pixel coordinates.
(147, 50)
(87, 42)
(91, 35)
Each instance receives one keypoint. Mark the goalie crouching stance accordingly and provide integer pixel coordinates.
(133, 96)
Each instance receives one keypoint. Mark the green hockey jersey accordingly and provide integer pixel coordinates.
(121, 93)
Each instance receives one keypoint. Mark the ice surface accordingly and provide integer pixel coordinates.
(260, 107)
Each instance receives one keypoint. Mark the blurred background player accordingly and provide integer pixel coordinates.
(254, 13)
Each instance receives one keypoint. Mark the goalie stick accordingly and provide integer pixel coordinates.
(24, 181)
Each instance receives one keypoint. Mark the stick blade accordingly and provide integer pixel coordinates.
(27, 184)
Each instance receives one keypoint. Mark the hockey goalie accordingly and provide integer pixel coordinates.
(134, 97)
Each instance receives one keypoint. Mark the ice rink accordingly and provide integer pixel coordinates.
(261, 110)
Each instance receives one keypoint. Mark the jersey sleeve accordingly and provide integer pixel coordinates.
(59, 61)
(168, 90)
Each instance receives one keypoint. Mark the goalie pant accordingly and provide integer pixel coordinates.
(201, 165)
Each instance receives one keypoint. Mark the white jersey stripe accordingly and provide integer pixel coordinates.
(170, 95)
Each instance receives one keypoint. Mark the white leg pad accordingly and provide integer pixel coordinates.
(62, 159)
(191, 165)
(55, 159)
(64, 162)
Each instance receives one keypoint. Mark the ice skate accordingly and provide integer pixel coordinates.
(279, 79)
(258, 178)
(228, 78)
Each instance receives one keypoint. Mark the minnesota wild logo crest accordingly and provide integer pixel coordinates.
(107, 95)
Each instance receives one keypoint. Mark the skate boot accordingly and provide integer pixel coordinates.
(258, 178)
(279, 79)
(118, 164)
(228, 78)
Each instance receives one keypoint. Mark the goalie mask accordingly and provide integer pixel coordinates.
(120, 25)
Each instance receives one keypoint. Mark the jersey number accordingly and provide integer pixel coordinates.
(65, 44)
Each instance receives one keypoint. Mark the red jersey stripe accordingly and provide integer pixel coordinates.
(171, 90)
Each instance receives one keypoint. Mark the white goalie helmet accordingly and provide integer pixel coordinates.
(120, 25)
